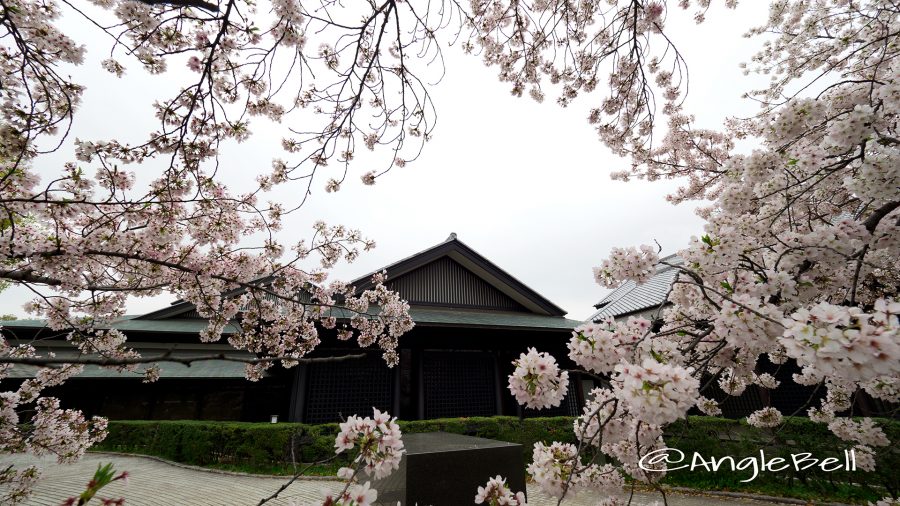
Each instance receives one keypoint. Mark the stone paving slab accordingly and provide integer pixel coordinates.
(157, 483)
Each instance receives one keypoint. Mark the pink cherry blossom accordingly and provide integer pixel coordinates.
(626, 264)
(496, 493)
(765, 417)
(656, 393)
(378, 440)
(537, 381)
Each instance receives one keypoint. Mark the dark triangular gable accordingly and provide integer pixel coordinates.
(454, 275)
(177, 310)
(444, 282)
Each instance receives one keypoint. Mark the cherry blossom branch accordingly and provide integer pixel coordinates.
(200, 4)
(294, 478)
(871, 223)
(168, 357)
(704, 288)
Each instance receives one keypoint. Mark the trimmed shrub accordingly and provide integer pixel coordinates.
(263, 445)
(718, 437)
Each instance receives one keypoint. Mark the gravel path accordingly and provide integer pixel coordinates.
(156, 483)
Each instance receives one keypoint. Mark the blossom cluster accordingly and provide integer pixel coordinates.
(496, 493)
(765, 417)
(553, 466)
(624, 264)
(845, 341)
(708, 406)
(864, 432)
(379, 449)
(599, 347)
(597, 423)
(656, 393)
(593, 347)
(46, 428)
(353, 495)
(557, 470)
(537, 381)
(377, 440)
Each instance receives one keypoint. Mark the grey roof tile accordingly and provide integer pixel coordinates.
(631, 297)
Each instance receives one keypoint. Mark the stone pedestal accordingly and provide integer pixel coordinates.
(443, 469)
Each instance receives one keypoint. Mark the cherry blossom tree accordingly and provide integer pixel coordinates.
(89, 237)
(798, 259)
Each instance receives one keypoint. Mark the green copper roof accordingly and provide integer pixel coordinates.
(461, 318)
(426, 317)
(129, 323)
(445, 317)
(201, 369)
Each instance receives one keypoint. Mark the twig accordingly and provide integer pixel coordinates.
(167, 357)
(200, 4)
(294, 478)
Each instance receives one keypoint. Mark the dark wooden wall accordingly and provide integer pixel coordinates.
(443, 372)
(446, 283)
(177, 399)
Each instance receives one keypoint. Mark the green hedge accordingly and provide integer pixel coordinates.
(267, 448)
(262, 447)
(720, 437)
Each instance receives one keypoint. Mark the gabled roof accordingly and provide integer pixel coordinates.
(473, 262)
(181, 316)
(631, 297)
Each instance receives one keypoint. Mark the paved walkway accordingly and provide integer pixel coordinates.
(155, 483)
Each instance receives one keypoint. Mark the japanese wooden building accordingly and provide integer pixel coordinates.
(472, 320)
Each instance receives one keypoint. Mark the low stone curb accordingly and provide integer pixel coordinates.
(753, 497)
(681, 490)
(213, 470)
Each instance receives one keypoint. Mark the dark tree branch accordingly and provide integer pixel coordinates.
(166, 357)
(872, 221)
(294, 478)
(28, 276)
(200, 4)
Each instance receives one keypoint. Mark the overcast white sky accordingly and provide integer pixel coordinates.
(526, 185)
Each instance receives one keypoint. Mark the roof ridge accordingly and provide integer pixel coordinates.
(366, 277)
